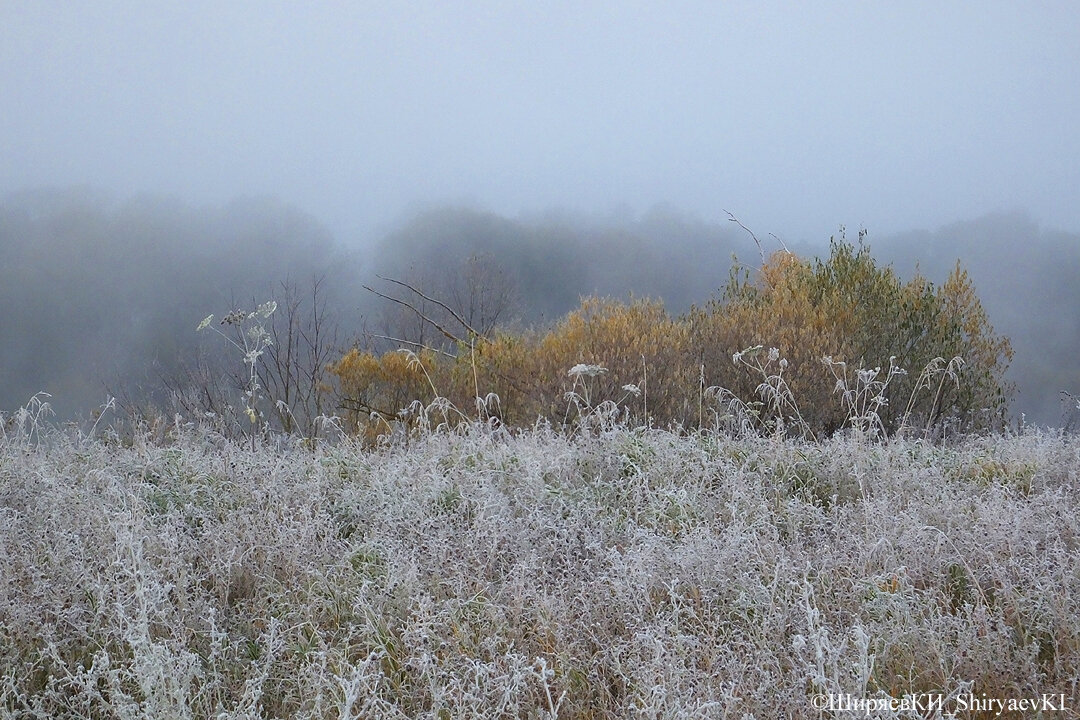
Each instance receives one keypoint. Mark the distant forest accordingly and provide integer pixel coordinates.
(101, 298)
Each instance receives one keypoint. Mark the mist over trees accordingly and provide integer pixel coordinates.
(102, 297)
(1028, 279)
(553, 259)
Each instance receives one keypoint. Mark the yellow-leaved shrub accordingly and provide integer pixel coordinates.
(373, 390)
(842, 327)
(636, 343)
(782, 310)
(863, 317)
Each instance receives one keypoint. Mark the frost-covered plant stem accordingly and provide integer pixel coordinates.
(779, 400)
(251, 340)
(580, 397)
(29, 420)
(863, 396)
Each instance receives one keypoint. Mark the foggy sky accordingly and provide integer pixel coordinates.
(798, 117)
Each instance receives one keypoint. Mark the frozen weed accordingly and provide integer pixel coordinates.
(775, 413)
(251, 339)
(863, 394)
(600, 416)
(29, 423)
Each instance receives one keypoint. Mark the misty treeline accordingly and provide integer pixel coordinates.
(101, 298)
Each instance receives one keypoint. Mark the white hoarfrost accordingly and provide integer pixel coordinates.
(482, 575)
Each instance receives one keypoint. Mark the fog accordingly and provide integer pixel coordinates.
(795, 116)
(162, 161)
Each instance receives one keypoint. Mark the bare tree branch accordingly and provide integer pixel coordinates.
(419, 314)
(443, 305)
(776, 237)
(422, 346)
(757, 242)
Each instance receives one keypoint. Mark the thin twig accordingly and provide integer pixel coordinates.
(422, 346)
(441, 304)
(761, 251)
(775, 237)
(422, 316)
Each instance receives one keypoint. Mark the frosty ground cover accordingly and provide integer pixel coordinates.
(481, 575)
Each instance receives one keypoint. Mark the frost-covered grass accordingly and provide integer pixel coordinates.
(478, 575)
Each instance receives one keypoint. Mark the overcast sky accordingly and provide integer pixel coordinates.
(797, 116)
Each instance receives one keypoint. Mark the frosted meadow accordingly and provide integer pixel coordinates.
(478, 573)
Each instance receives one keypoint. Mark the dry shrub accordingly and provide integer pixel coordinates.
(780, 310)
(964, 329)
(637, 343)
(864, 318)
(374, 390)
(854, 346)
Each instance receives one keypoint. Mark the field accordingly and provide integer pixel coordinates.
(483, 574)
